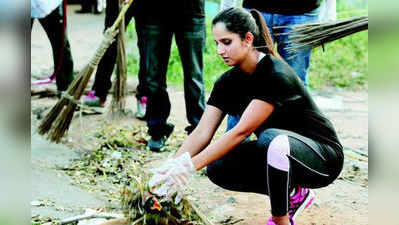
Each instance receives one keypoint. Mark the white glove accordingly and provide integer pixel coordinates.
(328, 11)
(172, 176)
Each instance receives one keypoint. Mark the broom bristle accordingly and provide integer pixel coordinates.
(62, 123)
(118, 101)
(307, 36)
(64, 119)
(48, 120)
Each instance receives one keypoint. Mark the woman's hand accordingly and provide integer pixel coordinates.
(172, 176)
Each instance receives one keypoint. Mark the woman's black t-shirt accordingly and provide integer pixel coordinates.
(274, 81)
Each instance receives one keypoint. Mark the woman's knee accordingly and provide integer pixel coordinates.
(266, 137)
(277, 153)
(213, 171)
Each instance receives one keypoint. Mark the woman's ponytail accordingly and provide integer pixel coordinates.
(263, 41)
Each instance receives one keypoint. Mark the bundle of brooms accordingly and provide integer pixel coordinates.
(57, 121)
(312, 35)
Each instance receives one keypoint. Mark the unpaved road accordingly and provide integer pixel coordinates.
(343, 202)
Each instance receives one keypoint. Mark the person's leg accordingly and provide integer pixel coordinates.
(278, 159)
(154, 43)
(300, 60)
(296, 163)
(102, 81)
(55, 27)
(242, 169)
(141, 90)
(190, 40)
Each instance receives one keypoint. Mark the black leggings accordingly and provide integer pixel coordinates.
(276, 163)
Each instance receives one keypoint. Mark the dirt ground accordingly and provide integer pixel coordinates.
(343, 202)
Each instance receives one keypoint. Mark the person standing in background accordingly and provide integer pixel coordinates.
(288, 13)
(91, 6)
(102, 81)
(157, 22)
(52, 16)
(156, 27)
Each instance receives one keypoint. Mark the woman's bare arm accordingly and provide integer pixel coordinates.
(203, 133)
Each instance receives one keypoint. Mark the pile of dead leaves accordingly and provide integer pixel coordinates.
(118, 151)
(140, 206)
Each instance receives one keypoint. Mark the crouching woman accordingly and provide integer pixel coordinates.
(297, 148)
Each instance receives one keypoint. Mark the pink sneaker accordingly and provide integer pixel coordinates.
(299, 201)
(271, 222)
(141, 108)
(92, 100)
(45, 80)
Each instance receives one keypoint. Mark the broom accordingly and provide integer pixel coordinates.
(57, 121)
(312, 35)
(118, 101)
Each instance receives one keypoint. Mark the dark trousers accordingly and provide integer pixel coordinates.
(54, 25)
(154, 42)
(246, 168)
(102, 81)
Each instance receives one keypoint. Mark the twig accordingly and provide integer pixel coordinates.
(347, 148)
(355, 154)
(199, 213)
(138, 220)
(91, 216)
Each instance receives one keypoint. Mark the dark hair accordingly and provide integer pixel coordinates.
(240, 21)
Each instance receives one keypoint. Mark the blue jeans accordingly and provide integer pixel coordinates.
(298, 61)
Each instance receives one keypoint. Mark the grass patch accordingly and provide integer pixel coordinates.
(343, 64)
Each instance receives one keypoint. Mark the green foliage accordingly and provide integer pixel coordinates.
(343, 64)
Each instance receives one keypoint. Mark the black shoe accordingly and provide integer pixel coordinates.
(157, 143)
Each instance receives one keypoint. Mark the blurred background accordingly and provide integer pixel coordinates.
(381, 78)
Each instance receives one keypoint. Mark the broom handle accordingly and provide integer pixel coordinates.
(121, 15)
(109, 35)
